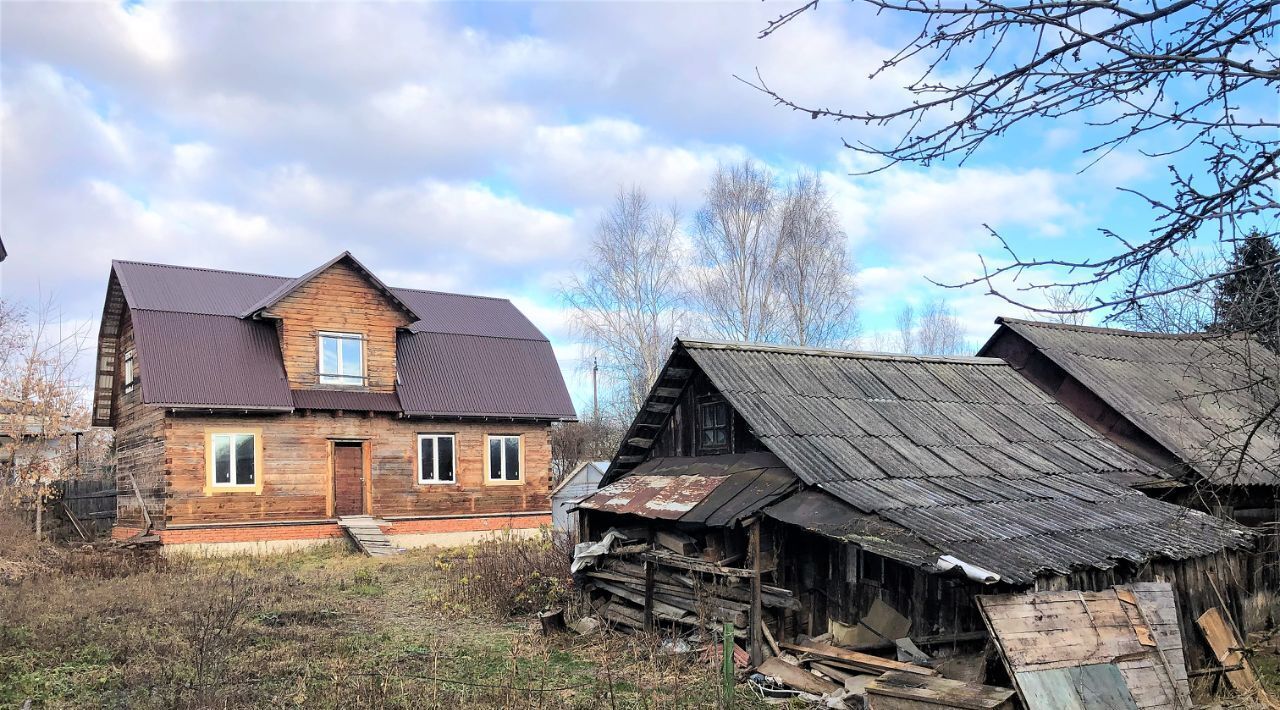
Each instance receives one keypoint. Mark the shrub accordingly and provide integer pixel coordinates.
(509, 575)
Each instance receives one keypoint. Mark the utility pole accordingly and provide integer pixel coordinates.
(595, 393)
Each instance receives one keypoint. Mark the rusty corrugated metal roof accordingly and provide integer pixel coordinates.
(717, 491)
(1204, 397)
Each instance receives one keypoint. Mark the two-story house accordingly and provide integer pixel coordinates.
(256, 412)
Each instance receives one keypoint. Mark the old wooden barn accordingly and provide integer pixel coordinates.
(844, 478)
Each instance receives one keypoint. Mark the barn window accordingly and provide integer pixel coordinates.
(435, 458)
(129, 377)
(504, 458)
(713, 426)
(342, 359)
(233, 459)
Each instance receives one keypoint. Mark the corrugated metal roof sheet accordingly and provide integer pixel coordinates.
(449, 374)
(717, 491)
(468, 356)
(209, 361)
(1200, 396)
(346, 400)
(963, 454)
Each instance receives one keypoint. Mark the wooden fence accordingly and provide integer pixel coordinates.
(89, 503)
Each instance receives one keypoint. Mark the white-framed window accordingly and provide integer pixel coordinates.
(341, 359)
(436, 462)
(504, 458)
(234, 459)
(129, 374)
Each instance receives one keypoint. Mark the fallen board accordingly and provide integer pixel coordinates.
(912, 691)
(1226, 647)
(864, 662)
(796, 677)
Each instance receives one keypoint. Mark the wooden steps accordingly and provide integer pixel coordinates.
(368, 537)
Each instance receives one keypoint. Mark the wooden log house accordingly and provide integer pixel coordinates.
(850, 478)
(255, 412)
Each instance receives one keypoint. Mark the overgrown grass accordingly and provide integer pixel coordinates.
(323, 629)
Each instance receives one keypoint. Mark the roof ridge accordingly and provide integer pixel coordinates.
(448, 293)
(698, 343)
(200, 268)
(543, 339)
(1120, 332)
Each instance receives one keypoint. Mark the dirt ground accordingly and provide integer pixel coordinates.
(323, 629)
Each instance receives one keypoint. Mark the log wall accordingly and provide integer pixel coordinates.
(296, 468)
(138, 444)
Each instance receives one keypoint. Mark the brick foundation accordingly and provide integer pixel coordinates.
(441, 531)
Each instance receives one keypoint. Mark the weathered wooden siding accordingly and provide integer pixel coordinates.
(679, 436)
(295, 471)
(339, 300)
(138, 444)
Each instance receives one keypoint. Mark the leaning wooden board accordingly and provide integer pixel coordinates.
(1114, 648)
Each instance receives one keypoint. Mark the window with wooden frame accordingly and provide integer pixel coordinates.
(713, 426)
(234, 460)
(504, 458)
(436, 462)
(341, 359)
(128, 374)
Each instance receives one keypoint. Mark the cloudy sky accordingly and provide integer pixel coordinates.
(472, 148)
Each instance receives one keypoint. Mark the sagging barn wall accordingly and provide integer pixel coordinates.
(836, 581)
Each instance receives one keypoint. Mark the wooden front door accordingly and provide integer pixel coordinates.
(348, 478)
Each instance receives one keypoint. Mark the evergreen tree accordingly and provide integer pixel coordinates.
(1248, 301)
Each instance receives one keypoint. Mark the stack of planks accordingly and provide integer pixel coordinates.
(686, 590)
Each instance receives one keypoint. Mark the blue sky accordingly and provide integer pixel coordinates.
(472, 148)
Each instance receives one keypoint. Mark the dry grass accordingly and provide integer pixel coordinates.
(325, 629)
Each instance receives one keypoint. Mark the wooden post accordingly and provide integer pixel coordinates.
(726, 668)
(39, 512)
(756, 619)
(649, 572)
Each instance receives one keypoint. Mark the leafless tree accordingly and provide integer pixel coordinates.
(934, 331)
(736, 249)
(628, 303)
(42, 401)
(1190, 84)
(572, 443)
(1067, 305)
(814, 273)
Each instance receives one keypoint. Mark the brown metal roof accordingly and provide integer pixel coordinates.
(346, 400)
(1208, 399)
(190, 360)
(716, 491)
(963, 453)
(469, 356)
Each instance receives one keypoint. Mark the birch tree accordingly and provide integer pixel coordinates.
(817, 296)
(736, 248)
(628, 304)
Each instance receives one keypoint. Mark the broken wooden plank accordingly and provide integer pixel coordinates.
(933, 692)
(858, 661)
(1228, 650)
(796, 677)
